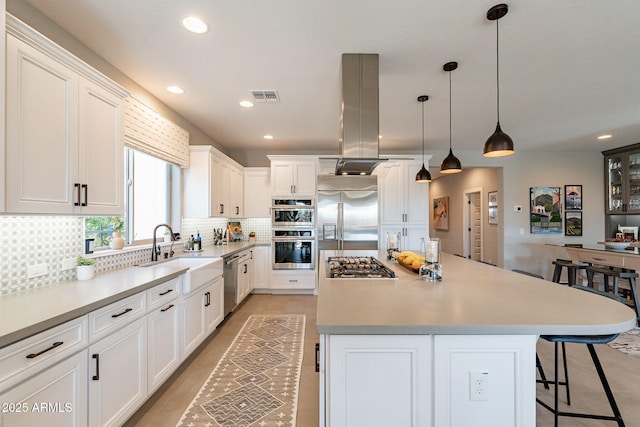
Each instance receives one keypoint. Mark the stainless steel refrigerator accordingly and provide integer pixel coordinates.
(347, 212)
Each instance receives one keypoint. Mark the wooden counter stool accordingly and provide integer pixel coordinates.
(589, 340)
(616, 274)
(572, 271)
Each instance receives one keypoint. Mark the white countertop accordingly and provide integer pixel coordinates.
(27, 313)
(473, 298)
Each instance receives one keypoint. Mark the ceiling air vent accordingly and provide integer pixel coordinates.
(265, 96)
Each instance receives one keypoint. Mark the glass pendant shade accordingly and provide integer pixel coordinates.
(498, 144)
(451, 164)
(423, 175)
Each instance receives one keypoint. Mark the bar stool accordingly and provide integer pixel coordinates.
(590, 341)
(616, 274)
(572, 271)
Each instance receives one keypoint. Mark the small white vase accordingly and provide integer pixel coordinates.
(85, 272)
(116, 241)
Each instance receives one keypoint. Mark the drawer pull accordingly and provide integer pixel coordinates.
(168, 308)
(120, 314)
(96, 377)
(165, 292)
(293, 281)
(599, 259)
(34, 355)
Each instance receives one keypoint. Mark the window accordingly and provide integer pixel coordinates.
(148, 201)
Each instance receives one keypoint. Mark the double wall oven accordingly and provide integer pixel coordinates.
(293, 240)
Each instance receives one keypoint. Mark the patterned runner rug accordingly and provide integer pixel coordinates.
(256, 381)
(628, 342)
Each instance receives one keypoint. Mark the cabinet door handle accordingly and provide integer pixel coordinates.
(250, 254)
(166, 309)
(120, 314)
(245, 268)
(208, 299)
(165, 292)
(85, 187)
(54, 345)
(221, 208)
(317, 357)
(96, 377)
(237, 210)
(77, 187)
(291, 188)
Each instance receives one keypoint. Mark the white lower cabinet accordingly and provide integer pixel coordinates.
(261, 267)
(118, 375)
(55, 397)
(245, 275)
(410, 235)
(427, 380)
(164, 354)
(292, 280)
(375, 380)
(202, 312)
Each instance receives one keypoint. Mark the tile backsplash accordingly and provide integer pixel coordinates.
(31, 240)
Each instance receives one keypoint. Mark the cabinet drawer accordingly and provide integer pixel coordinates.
(295, 280)
(162, 293)
(33, 354)
(108, 319)
(614, 260)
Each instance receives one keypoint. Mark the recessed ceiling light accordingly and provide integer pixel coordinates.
(175, 89)
(268, 137)
(246, 104)
(605, 136)
(195, 25)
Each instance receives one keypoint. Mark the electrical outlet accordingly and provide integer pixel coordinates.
(478, 385)
(37, 270)
(68, 264)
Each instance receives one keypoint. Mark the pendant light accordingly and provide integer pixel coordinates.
(450, 164)
(423, 174)
(499, 143)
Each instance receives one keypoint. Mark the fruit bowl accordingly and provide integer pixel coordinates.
(616, 245)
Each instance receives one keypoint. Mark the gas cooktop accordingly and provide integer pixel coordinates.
(357, 267)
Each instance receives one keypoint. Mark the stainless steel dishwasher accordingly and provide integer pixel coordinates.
(230, 274)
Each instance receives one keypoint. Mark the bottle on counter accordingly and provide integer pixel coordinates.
(198, 243)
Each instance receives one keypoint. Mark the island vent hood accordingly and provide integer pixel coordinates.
(359, 130)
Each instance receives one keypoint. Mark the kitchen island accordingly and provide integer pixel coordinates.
(407, 352)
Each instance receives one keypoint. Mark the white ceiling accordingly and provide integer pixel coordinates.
(569, 70)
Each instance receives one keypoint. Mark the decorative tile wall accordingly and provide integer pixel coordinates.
(31, 240)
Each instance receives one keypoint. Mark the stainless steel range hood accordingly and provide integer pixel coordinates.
(360, 126)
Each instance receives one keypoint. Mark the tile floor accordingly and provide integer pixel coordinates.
(166, 406)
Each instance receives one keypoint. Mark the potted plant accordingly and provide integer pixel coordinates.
(252, 236)
(85, 269)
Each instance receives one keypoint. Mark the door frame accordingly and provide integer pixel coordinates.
(466, 221)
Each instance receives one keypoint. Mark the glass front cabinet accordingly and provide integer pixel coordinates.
(622, 180)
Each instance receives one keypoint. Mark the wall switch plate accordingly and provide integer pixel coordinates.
(68, 264)
(478, 385)
(37, 270)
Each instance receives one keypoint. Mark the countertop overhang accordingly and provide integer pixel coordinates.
(473, 298)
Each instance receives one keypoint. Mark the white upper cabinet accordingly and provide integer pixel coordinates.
(292, 177)
(257, 193)
(213, 185)
(64, 145)
(402, 199)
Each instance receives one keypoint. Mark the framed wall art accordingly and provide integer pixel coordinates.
(573, 197)
(441, 213)
(573, 223)
(545, 210)
(493, 208)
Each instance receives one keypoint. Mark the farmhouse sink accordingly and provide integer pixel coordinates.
(200, 271)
